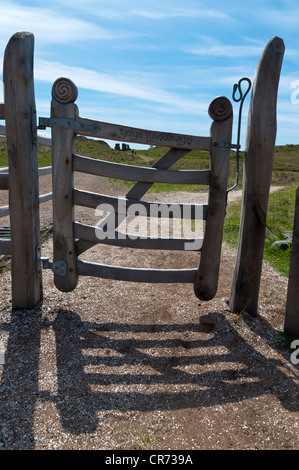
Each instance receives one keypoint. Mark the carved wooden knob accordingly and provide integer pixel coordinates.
(220, 109)
(64, 91)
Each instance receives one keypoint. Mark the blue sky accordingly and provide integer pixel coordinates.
(157, 64)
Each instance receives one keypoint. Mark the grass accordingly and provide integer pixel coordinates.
(44, 154)
(280, 218)
(4, 263)
(144, 442)
(281, 204)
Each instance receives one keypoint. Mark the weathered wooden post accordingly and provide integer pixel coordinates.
(20, 116)
(206, 282)
(63, 107)
(259, 155)
(291, 325)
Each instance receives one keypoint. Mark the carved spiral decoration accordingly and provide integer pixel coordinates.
(64, 91)
(220, 109)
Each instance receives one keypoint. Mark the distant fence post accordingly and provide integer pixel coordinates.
(291, 325)
(20, 116)
(259, 155)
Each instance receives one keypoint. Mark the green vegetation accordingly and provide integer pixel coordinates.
(281, 204)
(4, 263)
(144, 442)
(3, 152)
(280, 217)
(44, 154)
(285, 170)
(286, 165)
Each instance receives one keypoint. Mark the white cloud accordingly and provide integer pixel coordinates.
(150, 9)
(50, 25)
(213, 47)
(170, 12)
(114, 84)
(288, 17)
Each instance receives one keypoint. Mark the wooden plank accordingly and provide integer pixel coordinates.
(206, 282)
(135, 173)
(20, 113)
(115, 238)
(144, 136)
(40, 139)
(291, 325)
(63, 142)
(154, 209)
(138, 190)
(165, 162)
(258, 163)
(44, 140)
(2, 111)
(5, 246)
(4, 181)
(45, 197)
(120, 273)
(4, 211)
(46, 170)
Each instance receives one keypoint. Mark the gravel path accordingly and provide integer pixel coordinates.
(115, 365)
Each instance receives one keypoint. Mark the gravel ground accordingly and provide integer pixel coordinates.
(115, 365)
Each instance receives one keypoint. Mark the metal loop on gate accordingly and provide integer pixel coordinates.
(238, 89)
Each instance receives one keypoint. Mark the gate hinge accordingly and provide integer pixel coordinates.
(227, 145)
(59, 267)
(67, 123)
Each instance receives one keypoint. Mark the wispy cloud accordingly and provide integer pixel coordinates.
(210, 46)
(114, 84)
(286, 17)
(150, 9)
(50, 25)
(163, 13)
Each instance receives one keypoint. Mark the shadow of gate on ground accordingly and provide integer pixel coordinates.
(125, 367)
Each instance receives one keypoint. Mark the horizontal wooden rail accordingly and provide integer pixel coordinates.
(45, 170)
(44, 140)
(115, 238)
(4, 210)
(105, 130)
(120, 273)
(4, 181)
(5, 246)
(45, 197)
(135, 173)
(2, 115)
(158, 209)
(40, 139)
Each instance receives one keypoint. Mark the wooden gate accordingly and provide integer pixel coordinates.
(71, 239)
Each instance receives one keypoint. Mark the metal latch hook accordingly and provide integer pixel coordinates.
(241, 98)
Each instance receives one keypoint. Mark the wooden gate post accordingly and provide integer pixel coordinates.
(64, 95)
(20, 116)
(206, 281)
(291, 325)
(259, 155)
